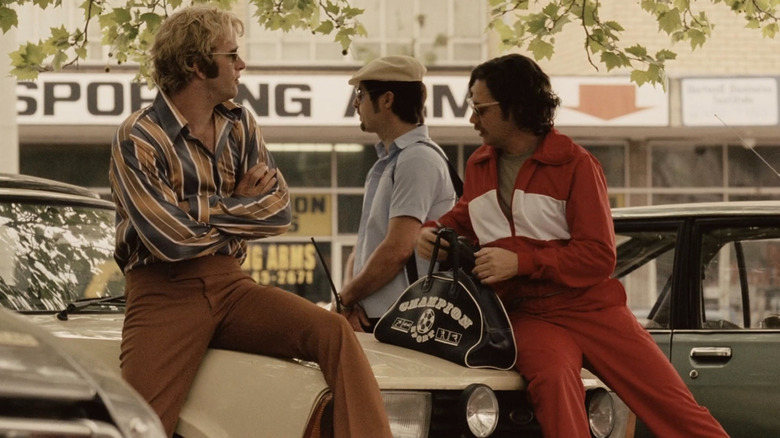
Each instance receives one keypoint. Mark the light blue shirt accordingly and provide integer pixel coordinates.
(410, 179)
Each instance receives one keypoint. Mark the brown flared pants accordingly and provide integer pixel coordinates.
(176, 311)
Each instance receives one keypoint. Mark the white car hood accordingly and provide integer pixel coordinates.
(232, 388)
(394, 367)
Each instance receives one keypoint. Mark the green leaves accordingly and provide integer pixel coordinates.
(26, 60)
(128, 28)
(320, 17)
(540, 48)
(533, 26)
(8, 18)
(669, 21)
(770, 30)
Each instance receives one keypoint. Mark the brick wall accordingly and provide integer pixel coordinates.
(732, 49)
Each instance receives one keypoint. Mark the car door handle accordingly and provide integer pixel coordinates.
(711, 354)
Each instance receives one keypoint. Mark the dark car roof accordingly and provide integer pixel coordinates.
(733, 208)
(19, 186)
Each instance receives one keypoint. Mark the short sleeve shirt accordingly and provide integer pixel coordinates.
(410, 179)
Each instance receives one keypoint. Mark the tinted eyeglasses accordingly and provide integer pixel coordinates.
(477, 107)
(359, 94)
(233, 56)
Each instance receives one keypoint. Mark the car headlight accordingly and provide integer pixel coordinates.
(601, 412)
(409, 413)
(480, 407)
(133, 417)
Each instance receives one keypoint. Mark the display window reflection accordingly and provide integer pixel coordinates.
(613, 161)
(687, 166)
(304, 165)
(748, 169)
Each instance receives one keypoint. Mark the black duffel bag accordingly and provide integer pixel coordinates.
(450, 314)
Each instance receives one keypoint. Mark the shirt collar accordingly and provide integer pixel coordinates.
(416, 135)
(173, 122)
(556, 149)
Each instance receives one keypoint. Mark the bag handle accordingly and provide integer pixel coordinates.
(450, 236)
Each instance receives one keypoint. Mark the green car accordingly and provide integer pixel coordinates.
(704, 279)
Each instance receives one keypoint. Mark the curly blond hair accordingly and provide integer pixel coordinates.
(186, 39)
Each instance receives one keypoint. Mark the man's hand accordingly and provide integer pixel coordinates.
(426, 241)
(258, 180)
(495, 264)
(355, 314)
(357, 317)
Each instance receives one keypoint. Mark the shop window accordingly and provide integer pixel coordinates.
(748, 169)
(349, 208)
(84, 165)
(464, 19)
(613, 161)
(292, 266)
(304, 165)
(467, 151)
(451, 151)
(687, 166)
(399, 18)
(435, 31)
(326, 51)
(353, 163)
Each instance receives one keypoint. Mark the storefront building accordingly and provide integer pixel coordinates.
(712, 134)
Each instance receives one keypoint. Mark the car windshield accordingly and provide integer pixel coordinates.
(52, 255)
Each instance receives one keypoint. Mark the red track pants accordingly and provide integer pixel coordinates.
(557, 335)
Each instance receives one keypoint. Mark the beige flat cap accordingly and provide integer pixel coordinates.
(390, 68)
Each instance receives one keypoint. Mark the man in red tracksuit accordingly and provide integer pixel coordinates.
(537, 204)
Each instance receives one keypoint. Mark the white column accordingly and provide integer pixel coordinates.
(9, 130)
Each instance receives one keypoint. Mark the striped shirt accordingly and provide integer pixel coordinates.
(175, 199)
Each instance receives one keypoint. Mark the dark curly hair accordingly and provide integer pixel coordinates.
(522, 89)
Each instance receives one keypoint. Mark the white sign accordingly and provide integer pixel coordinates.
(609, 101)
(736, 101)
(276, 100)
(326, 100)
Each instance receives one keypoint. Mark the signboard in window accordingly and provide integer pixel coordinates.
(311, 215)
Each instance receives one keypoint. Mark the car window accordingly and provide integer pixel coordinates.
(741, 278)
(645, 261)
(52, 255)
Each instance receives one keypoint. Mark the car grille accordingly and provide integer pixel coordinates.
(62, 419)
(516, 418)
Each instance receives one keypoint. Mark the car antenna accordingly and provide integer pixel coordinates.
(327, 274)
(748, 145)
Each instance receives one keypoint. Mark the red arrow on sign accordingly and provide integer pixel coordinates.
(608, 102)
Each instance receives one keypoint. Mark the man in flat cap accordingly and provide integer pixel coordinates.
(409, 184)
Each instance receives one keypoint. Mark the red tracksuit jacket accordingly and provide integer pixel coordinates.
(561, 227)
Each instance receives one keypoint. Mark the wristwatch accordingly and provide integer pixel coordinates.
(340, 303)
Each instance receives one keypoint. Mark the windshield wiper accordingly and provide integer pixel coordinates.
(76, 306)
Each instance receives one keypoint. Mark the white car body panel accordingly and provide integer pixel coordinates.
(219, 406)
